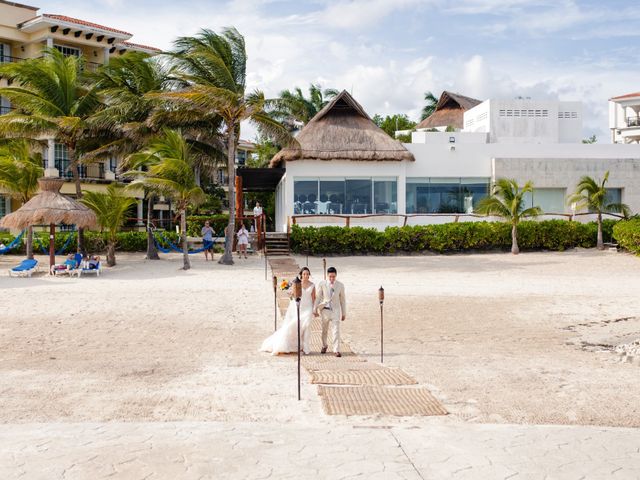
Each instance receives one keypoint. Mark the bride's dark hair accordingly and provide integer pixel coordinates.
(302, 270)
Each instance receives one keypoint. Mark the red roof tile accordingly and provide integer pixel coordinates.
(628, 95)
(64, 18)
(139, 45)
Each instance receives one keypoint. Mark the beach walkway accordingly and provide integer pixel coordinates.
(351, 385)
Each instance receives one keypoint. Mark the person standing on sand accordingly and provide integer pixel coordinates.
(332, 306)
(207, 241)
(243, 241)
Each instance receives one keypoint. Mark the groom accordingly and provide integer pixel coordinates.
(331, 305)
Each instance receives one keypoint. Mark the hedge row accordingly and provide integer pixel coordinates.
(95, 242)
(447, 237)
(627, 234)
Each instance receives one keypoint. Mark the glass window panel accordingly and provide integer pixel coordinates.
(385, 196)
(3, 206)
(527, 198)
(444, 196)
(550, 200)
(417, 195)
(614, 195)
(472, 191)
(305, 195)
(332, 196)
(358, 196)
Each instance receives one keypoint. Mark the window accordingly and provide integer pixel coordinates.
(445, 195)
(68, 51)
(385, 195)
(358, 196)
(3, 206)
(305, 194)
(614, 195)
(62, 160)
(347, 196)
(550, 200)
(331, 199)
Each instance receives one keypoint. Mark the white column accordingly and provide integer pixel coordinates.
(49, 43)
(105, 58)
(50, 169)
(7, 204)
(139, 222)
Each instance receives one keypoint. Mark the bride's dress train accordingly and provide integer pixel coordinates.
(285, 339)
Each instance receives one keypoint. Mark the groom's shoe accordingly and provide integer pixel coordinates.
(338, 354)
(324, 350)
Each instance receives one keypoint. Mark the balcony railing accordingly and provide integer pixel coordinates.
(633, 121)
(9, 59)
(86, 172)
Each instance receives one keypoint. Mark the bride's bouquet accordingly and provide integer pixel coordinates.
(285, 285)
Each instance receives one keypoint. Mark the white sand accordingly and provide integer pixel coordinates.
(497, 337)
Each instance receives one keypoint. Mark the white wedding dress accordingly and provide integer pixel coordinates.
(285, 339)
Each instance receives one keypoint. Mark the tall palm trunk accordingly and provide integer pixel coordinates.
(600, 241)
(73, 164)
(227, 258)
(30, 242)
(152, 251)
(514, 239)
(183, 236)
(111, 252)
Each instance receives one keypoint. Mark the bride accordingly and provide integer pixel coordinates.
(285, 339)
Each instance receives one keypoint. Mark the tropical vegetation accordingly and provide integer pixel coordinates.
(431, 102)
(592, 194)
(111, 209)
(294, 110)
(20, 168)
(508, 202)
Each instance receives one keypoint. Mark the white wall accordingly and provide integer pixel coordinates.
(526, 121)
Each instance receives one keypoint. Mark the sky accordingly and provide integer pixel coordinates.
(387, 53)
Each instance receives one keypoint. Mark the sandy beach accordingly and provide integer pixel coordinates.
(497, 338)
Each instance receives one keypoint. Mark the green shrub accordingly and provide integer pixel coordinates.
(627, 234)
(555, 235)
(196, 222)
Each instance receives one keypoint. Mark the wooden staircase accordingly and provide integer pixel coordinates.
(277, 244)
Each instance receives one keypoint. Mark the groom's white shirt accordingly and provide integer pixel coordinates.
(325, 298)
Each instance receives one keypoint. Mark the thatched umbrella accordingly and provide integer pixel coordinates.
(50, 207)
(342, 130)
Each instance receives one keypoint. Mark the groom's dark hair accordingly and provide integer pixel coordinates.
(332, 270)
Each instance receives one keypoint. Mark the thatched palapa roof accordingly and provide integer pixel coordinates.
(342, 130)
(48, 207)
(449, 111)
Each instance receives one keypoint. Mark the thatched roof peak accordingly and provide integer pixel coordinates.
(449, 111)
(342, 130)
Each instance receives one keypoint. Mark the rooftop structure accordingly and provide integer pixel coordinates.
(449, 112)
(624, 118)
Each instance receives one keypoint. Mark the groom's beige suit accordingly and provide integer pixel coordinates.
(331, 304)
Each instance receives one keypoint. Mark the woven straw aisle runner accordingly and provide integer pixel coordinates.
(351, 385)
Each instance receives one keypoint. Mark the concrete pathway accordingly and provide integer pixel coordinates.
(202, 450)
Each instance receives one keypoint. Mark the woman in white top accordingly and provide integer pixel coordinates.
(243, 240)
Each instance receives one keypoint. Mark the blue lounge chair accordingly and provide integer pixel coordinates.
(25, 269)
(92, 268)
(69, 266)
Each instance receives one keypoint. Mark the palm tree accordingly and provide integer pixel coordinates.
(292, 108)
(592, 194)
(123, 86)
(53, 98)
(20, 169)
(430, 107)
(111, 210)
(213, 68)
(169, 171)
(507, 201)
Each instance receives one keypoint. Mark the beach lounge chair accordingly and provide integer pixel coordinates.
(70, 266)
(24, 269)
(97, 269)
